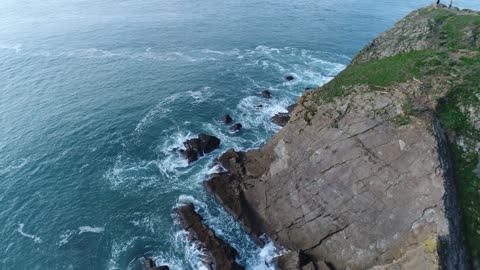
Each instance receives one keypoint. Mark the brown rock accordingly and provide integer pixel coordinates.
(349, 181)
(218, 254)
(196, 147)
(209, 143)
(280, 119)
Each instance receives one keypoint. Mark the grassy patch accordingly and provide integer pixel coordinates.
(384, 72)
(453, 111)
(458, 27)
(469, 196)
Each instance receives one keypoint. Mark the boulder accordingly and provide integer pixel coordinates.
(266, 94)
(236, 127)
(194, 144)
(291, 108)
(289, 78)
(208, 143)
(218, 254)
(280, 119)
(196, 147)
(189, 154)
(227, 119)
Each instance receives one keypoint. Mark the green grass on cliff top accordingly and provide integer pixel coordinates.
(385, 72)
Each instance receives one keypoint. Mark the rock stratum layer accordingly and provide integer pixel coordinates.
(361, 177)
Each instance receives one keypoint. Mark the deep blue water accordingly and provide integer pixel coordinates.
(95, 94)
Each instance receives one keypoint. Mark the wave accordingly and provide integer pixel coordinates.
(35, 238)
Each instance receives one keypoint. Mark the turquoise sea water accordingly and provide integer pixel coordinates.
(95, 94)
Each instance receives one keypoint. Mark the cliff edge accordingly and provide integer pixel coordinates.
(375, 169)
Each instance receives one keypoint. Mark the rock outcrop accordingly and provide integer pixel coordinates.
(359, 178)
(218, 254)
(196, 147)
(281, 119)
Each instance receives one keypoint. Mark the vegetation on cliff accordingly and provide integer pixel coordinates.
(440, 50)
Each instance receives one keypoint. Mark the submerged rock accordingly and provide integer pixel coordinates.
(218, 254)
(236, 127)
(289, 78)
(266, 94)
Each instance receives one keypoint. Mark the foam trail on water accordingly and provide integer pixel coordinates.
(35, 238)
(89, 229)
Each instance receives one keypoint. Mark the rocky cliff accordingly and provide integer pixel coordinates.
(376, 169)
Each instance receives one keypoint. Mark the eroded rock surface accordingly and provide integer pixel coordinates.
(353, 188)
(218, 254)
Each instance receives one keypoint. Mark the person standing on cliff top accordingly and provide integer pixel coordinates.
(450, 4)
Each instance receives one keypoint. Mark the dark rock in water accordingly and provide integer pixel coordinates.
(189, 154)
(259, 106)
(194, 144)
(208, 143)
(150, 265)
(218, 254)
(291, 108)
(281, 119)
(236, 127)
(227, 119)
(308, 88)
(197, 147)
(266, 94)
(289, 78)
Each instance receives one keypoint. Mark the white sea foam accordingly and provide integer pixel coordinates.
(89, 229)
(15, 166)
(35, 238)
(201, 95)
(17, 47)
(161, 109)
(65, 237)
(117, 249)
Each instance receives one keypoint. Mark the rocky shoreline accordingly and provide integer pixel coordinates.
(358, 179)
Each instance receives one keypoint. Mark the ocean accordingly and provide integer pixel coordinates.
(95, 95)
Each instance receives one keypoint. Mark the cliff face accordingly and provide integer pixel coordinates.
(362, 176)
